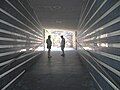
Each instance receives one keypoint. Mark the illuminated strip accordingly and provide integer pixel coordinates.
(105, 78)
(107, 66)
(40, 25)
(96, 81)
(105, 14)
(35, 14)
(95, 12)
(17, 20)
(6, 86)
(32, 16)
(116, 45)
(21, 13)
(110, 68)
(17, 40)
(93, 38)
(88, 12)
(78, 25)
(115, 33)
(11, 33)
(8, 53)
(36, 39)
(13, 46)
(2, 75)
(2, 21)
(104, 26)
(8, 61)
(89, 39)
(10, 39)
(117, 58)
(110, 34)
(84, 12)
(27, 11)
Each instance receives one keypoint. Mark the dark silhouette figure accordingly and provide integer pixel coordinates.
(49, 44)
(62, 45)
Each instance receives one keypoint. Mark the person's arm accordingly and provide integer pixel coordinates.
(51, 42)
(64, 41)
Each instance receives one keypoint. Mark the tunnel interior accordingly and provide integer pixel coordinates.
(94, 28)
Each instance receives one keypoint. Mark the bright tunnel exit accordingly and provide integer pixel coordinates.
(56, 39)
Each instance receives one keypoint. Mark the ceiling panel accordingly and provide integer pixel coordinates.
(58, 14)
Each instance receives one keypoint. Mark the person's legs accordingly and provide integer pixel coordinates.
(62, 48)
(49, 53)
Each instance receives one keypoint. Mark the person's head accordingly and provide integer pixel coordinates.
(49, 37)
(61, 36)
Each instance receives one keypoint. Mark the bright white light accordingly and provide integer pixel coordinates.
(98, 44)
(103, 36)
(31, 49)
(101, 28)
(39, 49)
(104, 44)
(59, 49)
(89, 39)
(22, 50)
(55, 29)
(87, 48)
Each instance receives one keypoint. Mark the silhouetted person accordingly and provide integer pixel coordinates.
(62, 45)
(49, 44)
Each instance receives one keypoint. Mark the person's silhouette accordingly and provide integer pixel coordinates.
(62, 45)
(49, 44)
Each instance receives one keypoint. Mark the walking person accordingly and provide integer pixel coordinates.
(62, 45)
(49, 44)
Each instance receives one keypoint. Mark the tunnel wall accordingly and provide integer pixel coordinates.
(20, 35)
(98, 41)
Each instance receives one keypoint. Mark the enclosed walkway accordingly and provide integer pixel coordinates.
(57, 73)
(92, 28)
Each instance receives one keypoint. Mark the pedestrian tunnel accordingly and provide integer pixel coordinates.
(92, 54)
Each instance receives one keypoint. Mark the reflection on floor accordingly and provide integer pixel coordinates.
(57, 73)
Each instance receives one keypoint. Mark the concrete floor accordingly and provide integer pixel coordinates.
(57, 73)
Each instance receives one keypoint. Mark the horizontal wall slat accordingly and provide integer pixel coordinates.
(98, 39)
(20, 35)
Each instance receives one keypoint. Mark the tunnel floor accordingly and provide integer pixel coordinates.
(57, 73)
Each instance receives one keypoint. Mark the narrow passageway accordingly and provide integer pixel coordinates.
(92, 27)
(57, 73)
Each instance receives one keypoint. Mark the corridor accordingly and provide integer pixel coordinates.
(56, 73)
(90, 27)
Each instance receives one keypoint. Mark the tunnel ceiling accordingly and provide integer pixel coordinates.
(58, 14)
